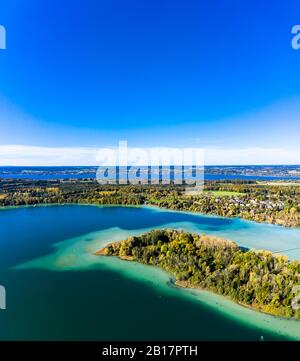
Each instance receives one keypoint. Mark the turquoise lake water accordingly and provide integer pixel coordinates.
(57, 289)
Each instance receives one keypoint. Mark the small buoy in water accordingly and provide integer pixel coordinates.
(262, 338)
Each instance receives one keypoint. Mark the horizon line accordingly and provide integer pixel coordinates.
(205, 165)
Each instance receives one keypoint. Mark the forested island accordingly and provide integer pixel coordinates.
(273, 202)
(256, 279)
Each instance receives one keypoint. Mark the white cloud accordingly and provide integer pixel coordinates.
(251, 156)
(20, 155)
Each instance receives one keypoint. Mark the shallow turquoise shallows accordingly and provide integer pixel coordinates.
(57, 289)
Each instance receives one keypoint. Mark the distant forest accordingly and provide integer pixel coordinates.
(261, 202)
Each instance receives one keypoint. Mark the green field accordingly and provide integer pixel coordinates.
(225, 193)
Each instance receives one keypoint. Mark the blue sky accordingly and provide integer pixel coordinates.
(215, 74)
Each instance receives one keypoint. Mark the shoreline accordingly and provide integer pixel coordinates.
(83, 259)
(243, 242)
(188, 286)
(147, 206)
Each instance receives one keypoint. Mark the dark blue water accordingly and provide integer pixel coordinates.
(97, 303)
(51, 173)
